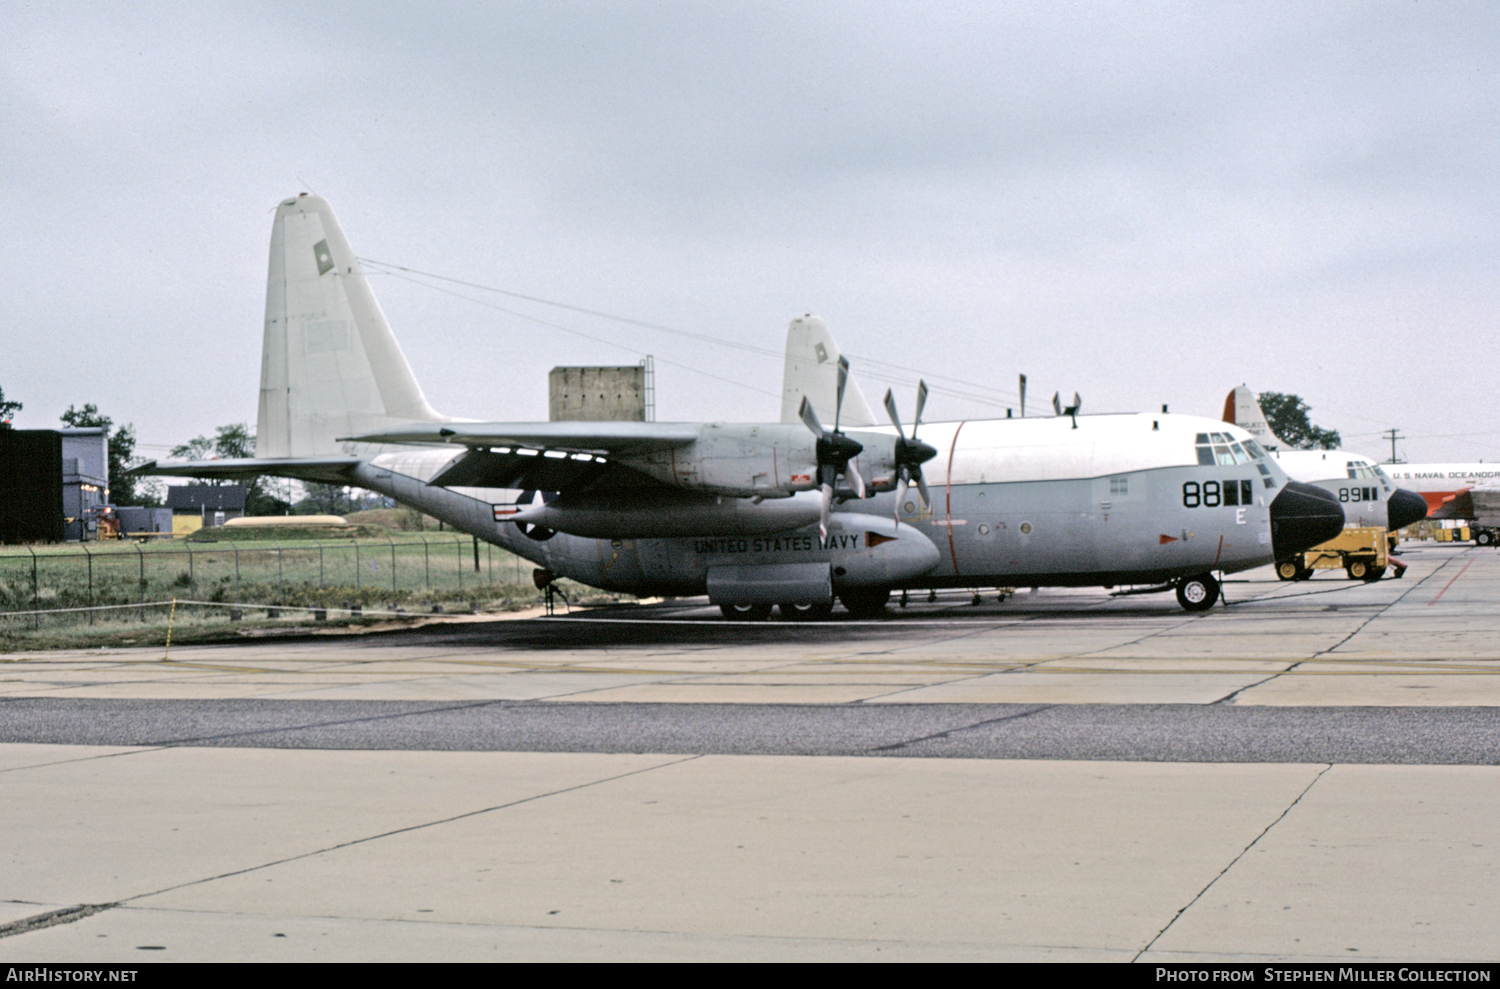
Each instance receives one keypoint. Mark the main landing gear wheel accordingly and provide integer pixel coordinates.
(806, 612)
(866, 603)
(1484, 538)
(1198, 593)
(746, 612)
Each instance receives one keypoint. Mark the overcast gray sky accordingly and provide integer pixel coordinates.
(1143, 202)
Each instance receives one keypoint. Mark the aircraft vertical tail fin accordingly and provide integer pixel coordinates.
(1241, 409)
(330, 366)
(812, 370)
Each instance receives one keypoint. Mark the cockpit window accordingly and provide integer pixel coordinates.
(1253, 448)
(1223, 450)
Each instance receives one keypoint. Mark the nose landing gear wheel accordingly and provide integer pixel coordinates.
(1197, 593)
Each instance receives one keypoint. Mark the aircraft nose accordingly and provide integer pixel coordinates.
(1403, 508)
(1302, 516)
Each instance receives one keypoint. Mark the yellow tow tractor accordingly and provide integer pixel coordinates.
(1363, 552)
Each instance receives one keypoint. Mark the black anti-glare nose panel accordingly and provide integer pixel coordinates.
(1403, 508)
(1302, 516)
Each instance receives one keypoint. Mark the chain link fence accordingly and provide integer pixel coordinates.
(87, 584)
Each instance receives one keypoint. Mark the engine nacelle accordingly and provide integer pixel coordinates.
(861, 552)
(772, 460)
(870, 551)
(663, 513)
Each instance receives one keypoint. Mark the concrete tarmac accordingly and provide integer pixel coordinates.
(1310, 773)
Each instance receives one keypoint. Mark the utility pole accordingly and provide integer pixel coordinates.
(1393, 436)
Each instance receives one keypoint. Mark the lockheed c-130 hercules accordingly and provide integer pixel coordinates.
(791, 514)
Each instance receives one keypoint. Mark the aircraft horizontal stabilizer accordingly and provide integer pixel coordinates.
(324, 470)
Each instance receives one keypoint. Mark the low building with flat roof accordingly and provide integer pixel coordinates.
(197, 505)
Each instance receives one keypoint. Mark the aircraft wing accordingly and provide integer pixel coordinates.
(547, 456)
(571, 437)
(325, 470)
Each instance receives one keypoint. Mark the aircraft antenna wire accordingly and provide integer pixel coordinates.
(868, 367)
(580, 333)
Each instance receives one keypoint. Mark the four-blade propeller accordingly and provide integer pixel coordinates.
(835, 451)
(911, 454)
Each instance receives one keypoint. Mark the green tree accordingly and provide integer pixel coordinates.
(122, 488)
(1287, 417)
(231, 442)
(234, 442)
(197, 448)
(324, 499)
(339, 499)
(8, 410)
(261, 501)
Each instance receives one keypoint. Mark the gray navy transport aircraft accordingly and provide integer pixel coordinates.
(795, 514)
(1363, 488)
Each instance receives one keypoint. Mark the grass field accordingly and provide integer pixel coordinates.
(67, 595)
